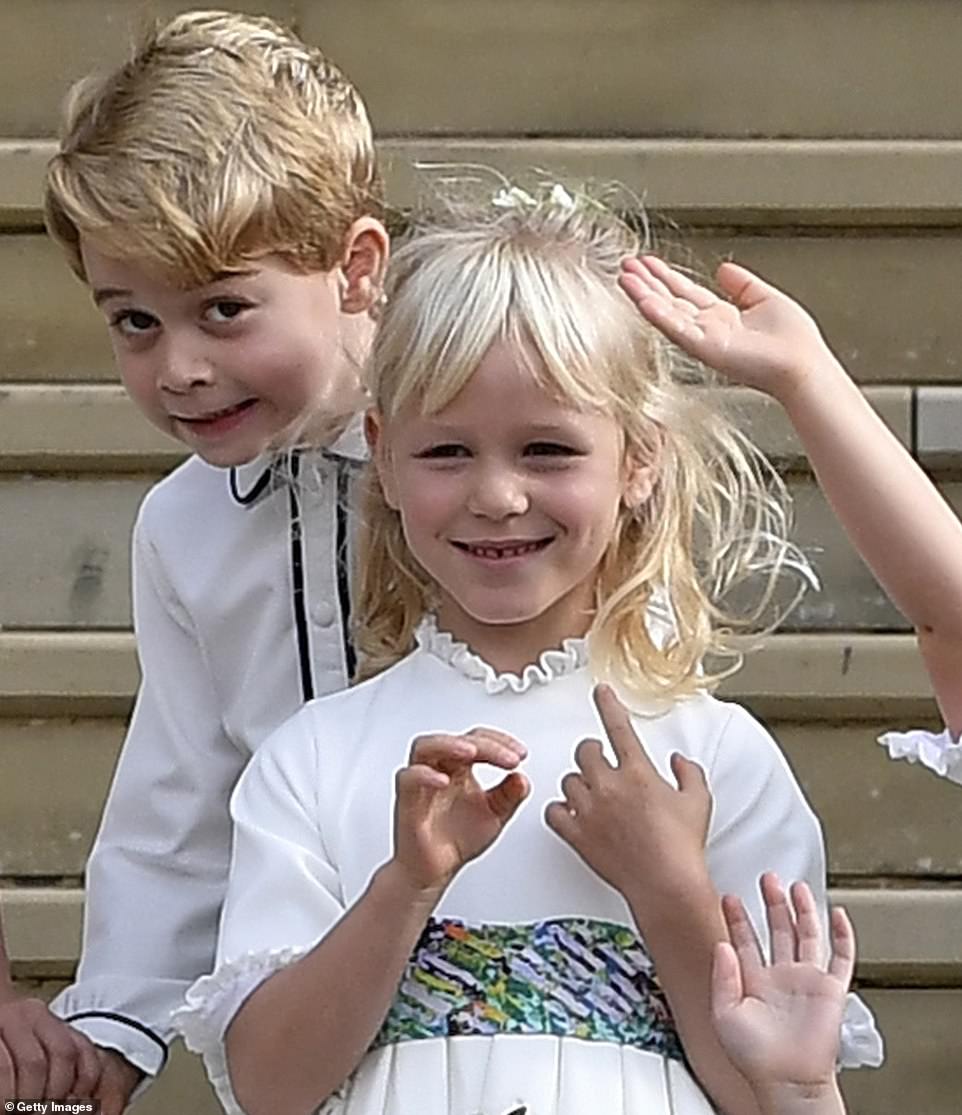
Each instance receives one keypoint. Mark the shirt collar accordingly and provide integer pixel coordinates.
(252, 481)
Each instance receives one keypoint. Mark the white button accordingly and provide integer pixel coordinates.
(324, 613)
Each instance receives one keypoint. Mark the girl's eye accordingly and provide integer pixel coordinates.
(133, 323)
(224, 310)
(443, 452)
(550, 449)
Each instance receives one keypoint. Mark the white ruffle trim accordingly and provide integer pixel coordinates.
(211, 1003)
(860, 1043)
(939, 753)
(572, 656)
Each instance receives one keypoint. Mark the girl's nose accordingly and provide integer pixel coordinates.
(498, 495)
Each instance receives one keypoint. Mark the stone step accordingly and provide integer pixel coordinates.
(561, 67)
(95, 428)
(887, 300)
(856, 790)
(83, 580)
(893, 183)
(904, 936)
(794, 677)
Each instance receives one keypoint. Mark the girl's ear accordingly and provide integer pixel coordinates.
(363, 264)
(377, 443)
(641, 473)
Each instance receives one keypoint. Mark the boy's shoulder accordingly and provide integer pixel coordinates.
(192, 489)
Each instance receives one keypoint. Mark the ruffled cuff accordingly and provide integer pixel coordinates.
(860, 1043)
(210, 1005)
(939, 753)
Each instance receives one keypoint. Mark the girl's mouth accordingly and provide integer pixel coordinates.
(503, 551)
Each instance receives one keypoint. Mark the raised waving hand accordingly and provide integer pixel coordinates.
(755, 336)
(779, 1021)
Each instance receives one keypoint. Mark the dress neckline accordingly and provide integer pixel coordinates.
(552, 664)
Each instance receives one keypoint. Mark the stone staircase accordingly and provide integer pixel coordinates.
(817, 140)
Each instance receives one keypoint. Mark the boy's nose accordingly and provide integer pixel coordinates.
(181, 370)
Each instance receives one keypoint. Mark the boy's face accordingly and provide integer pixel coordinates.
(233, 367)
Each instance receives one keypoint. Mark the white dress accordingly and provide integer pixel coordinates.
(529, 987)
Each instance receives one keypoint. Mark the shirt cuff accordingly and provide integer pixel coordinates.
(938, 752)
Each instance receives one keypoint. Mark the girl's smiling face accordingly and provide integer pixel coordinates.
(508, 499)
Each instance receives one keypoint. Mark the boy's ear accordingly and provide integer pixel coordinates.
(376, 442)
(363, 265)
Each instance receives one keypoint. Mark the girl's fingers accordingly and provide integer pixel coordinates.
(808, 928)
(575, 791)
(637, 271)
(689, 775)
(416, 786)
(509, 793)
(591, 761)
(624, 742)
(842, 963)
(726, 980)
(679, 285)
(781, 926)
(559, 818)
(742, 935)
(450, 753)
(744, 287)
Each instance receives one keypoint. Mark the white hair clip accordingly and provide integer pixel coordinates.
(513, 197)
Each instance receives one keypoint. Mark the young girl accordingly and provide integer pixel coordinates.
(549, 511)
(778, 1020)
(897, 520)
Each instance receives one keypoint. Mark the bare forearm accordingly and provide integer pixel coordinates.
(894, 515)
(305, 1029)
(681, 935)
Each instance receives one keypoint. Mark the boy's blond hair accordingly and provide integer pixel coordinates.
(222, 139)
(540, 273)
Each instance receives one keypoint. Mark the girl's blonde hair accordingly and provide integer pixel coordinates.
(223, 138)
(539, 272)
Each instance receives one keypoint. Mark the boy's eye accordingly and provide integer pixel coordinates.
(443, 452)
(225, 309)
(133, 323)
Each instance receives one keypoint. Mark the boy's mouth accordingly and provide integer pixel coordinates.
(502, 551)
(214, 416)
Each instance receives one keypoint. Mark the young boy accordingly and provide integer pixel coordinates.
(220, 196)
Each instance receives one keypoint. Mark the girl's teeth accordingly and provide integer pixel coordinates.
(504, 551)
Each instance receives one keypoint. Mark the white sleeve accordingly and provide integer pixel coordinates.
(282, 897)
(936, 751)
(157, 873)
(762, 822)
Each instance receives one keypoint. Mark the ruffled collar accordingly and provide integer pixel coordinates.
(556, 663)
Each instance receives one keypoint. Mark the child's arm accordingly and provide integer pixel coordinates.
(895, 517)
(659, 867)
(40, 1056)
(157, 873)
(779, 1022)
(304, 1029)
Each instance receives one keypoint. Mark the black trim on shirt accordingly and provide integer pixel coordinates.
(343, 568)
(301, 626)
(133, 1023)
(245, 499)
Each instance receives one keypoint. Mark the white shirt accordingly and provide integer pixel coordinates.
(238, 619)
(314, 816)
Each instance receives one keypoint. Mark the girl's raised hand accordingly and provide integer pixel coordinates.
(626, 822)
(758, 337)
(442, 817)
(779, 1022)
